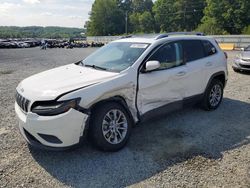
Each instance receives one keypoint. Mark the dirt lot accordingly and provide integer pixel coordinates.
(188, 148)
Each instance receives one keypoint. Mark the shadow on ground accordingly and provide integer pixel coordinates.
(153, 147)
(243, 72)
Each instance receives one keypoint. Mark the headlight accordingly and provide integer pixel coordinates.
(50, 108)
(237, 57)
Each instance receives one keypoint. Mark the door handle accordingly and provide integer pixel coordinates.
(209, 64)
(181, 73)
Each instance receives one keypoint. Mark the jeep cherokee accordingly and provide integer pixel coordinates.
(117, 86)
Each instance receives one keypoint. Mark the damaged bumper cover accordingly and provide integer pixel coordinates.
(52, 132)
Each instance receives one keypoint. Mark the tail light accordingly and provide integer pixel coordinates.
(226, 56)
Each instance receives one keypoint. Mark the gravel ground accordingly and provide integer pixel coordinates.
(187, 148)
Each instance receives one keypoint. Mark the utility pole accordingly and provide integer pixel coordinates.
(126, 22)
(185, 9)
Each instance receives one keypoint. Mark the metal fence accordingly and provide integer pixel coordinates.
(103, 39)
(239, 41)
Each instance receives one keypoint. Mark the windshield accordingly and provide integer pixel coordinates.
(247, 48)
(116, 56)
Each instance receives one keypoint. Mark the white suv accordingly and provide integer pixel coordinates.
(118, 86)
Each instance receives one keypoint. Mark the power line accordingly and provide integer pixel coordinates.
(180, 12)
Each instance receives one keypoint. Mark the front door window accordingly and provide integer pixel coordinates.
(170, 55)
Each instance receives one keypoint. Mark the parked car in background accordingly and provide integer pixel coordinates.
(117, 86)
(23, 45)
(19, 43)
(242, 60)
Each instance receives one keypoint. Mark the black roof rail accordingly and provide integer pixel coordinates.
(161, 36)
(126, 36)
(179, 33)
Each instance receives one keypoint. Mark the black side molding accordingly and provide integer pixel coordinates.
(171, 107)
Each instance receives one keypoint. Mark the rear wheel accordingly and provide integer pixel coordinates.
(213, 95)
(110, 127)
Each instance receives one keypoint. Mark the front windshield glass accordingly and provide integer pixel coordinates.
(247, 48)
(116, 56)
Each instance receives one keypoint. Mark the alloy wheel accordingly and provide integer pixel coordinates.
(114, 126)
(215, 95)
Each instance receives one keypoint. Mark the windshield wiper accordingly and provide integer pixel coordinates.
(94, 66)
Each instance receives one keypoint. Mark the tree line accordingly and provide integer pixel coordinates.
(40, 32)
(116, 17)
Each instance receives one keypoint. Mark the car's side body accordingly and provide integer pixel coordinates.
(130, 84)
(138, 91)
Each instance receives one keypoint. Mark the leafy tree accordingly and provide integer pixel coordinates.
(164, 11)
(39, 32)
(134, 20)
(141, 17)
(178, 15)
(246, 30)
(142, 22)
(141, 6)
(146, 21)
(106, 18)
(190, 13)
(230, 16)
(211, 27)
(125, 5)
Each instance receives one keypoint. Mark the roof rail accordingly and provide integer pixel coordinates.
(126, 36)
(179, 33)
(161, 36)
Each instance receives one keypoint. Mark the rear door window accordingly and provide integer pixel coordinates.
(209, 48)
(193, 50)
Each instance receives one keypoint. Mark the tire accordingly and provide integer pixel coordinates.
(213, 95)
(107, 132)
(236, 70)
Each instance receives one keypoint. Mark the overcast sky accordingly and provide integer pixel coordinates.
(66, 13)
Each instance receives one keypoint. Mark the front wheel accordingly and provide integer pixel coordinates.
(110, 127)
(236, 70)
(213, 95)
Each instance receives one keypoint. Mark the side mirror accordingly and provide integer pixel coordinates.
(152, 65)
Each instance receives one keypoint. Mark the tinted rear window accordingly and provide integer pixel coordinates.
(193, 50)
(209, 48)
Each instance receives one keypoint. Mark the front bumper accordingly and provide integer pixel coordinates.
(60, 131)
(241, 65)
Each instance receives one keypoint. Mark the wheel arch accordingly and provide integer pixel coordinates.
(117, 99)
(218, 75)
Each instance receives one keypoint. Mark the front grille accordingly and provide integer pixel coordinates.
(247, 60)
(245, 66)
(22, 102)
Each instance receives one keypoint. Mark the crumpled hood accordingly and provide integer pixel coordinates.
(50, 84)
